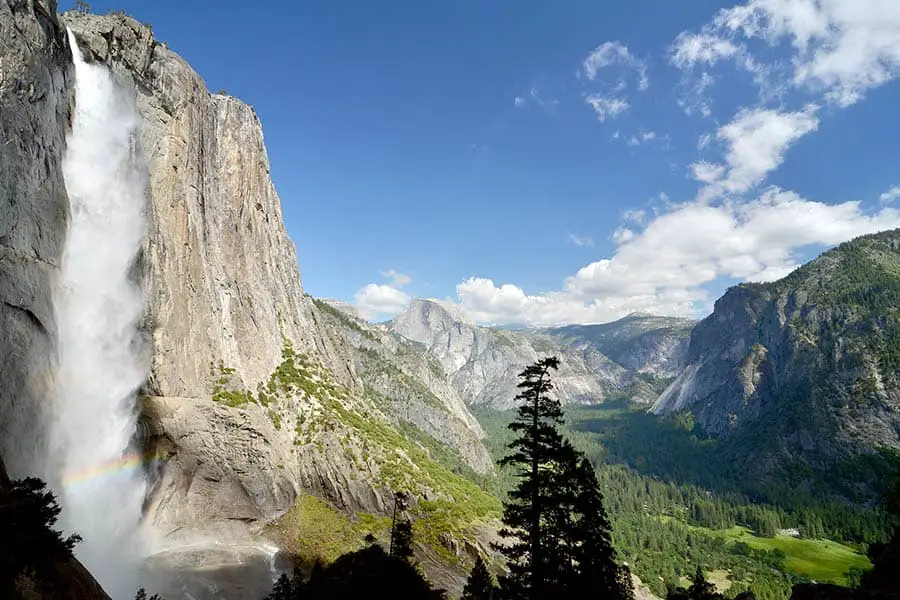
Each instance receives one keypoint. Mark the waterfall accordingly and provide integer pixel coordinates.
(98, 307)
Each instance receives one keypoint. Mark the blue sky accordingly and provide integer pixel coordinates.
(562, 162)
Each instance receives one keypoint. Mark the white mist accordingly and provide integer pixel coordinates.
(98, 307)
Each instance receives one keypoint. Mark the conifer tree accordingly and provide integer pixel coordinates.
(525, 515)
(701, 589)
(624, 589)
(593, 551)
(31, 546)
(480, 585)
(403, 540)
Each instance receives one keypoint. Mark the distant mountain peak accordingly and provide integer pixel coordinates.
(436, 309)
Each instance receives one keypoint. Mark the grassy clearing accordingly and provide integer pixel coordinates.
(820, 560)
(719, 578)
(314, 530)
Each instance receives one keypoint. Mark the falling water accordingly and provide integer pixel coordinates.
(98, 306)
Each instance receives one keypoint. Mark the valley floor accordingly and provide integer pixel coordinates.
(668, 518)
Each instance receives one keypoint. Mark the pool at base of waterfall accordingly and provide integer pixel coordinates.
(214, 571)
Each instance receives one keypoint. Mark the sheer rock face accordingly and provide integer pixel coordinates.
(807, 364)
(35, 94)
(220, 271)
(222, 286)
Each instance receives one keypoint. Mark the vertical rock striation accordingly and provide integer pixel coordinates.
(35, 80)
(221, 272)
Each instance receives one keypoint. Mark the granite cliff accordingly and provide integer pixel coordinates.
(35, 95)
(257, 397)
(805, 368)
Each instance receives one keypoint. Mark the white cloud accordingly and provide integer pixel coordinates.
(374, 301)
(622, 235)
(606, 107)
(519, 102)
(644, 136)
(690, 49)
(706, 172)
(636, 215)
(614, 53)
(840, 48)
(755, 142)
(890, 195)
(581, 241)
(664, 267)
(397, 279)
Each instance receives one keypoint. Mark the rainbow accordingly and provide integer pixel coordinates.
(126, 464)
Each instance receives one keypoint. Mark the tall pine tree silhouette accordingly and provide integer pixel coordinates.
(403, 540)
(30, 545)
(525, 514)
(561, 543)
(480, 585)
(593, 551)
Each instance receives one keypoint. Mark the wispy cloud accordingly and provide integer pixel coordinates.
(397, 278)
(890, 195)
(614, 53)
(581, 241)
(839, 48)
(535, 96)
(606, 107)
(640, 138)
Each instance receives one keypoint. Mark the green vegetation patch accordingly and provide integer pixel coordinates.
(314, 530)
(819, 560)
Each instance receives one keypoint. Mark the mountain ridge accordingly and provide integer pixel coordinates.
(812, 357)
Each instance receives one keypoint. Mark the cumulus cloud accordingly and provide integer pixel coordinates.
(664, 267)
(582, 241)
(890, 195)
(840, 48)
(374, 301)
(606, 107)
(755, 142)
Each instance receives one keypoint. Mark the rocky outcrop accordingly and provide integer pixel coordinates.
(414, 385)
(35, 92)
(219, 468)
(808, 364)
(483, 363)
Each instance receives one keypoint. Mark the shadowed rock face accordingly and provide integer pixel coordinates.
(35, 92)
